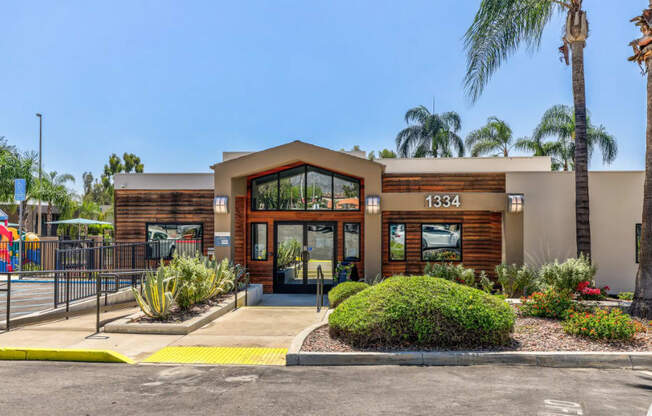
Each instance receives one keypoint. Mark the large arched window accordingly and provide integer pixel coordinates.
(305, 188)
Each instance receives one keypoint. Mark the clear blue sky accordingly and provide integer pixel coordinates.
(178, 82)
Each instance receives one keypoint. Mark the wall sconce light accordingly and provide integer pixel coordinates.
(515, 203)
(373, 205)
(221, 204)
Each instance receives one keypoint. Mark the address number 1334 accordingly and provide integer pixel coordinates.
(443, 201)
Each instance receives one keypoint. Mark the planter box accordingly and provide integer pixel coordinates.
(128, 326)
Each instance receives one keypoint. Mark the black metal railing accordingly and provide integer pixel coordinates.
(72, 285)
(320, 288)
(35, 255)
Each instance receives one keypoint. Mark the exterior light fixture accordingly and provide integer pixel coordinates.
(515, 203)
(373, 205)
(221, 204)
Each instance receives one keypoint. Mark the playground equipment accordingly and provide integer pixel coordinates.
(10, 246)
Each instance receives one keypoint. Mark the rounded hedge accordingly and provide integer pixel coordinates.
(422, 311)
(343, 291)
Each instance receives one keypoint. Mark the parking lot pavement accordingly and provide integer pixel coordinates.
(38, 388)
(26, 297)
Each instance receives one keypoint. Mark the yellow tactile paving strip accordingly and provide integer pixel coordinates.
(219, 355)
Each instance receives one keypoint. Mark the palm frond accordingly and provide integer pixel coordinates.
(499, 29)
(607, 143)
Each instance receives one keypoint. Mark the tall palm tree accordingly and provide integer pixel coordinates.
(52, 190)
(642, 304)
(429, 134)
(559, 121)
(494, 138)
(500, 27)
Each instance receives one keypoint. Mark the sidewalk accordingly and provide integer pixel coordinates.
(272, 327)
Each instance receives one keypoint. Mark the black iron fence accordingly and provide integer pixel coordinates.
(35, 255)
(68, 271)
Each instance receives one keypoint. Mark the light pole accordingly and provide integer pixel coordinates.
(40, 153)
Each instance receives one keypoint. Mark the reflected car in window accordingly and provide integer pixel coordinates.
(433, 236)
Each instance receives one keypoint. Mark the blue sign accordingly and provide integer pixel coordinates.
(222, 239)
(20, 190)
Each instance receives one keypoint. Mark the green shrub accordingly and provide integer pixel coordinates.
(422, 311)
(626, 296)
(200, 279)
(343, 291)
(486, 284)
(455, 273)
(602, 325)
(568, 275)
(549, 304)
(517, 281)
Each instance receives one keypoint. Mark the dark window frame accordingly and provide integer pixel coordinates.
(389, 242)
(461, 242)
(638, 229)
(358, 258)
(253, 246)
(306, 167)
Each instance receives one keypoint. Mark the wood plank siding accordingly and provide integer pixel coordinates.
(135, 208)
(481, 239)
(444, 182)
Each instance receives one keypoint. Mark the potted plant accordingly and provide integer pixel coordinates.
(342, 272)
(289, 253)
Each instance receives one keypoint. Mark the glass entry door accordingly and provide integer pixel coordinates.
(300, 248)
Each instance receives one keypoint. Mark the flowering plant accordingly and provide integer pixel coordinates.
(602, 324)
(548, 304)
(586, 292)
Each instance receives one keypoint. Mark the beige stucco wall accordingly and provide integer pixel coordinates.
(230, 180)
(549, 220)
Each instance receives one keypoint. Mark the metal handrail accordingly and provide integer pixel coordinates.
(8, 306)
(320, 288)
(238, 279)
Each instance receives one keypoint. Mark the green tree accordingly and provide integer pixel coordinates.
(494, 138)
(429, 134)
(559, 122)
(52, 189)
(101, 192)
(16, 165)
(499, 29)
(642, 304)
(383, 154)
(5, 146)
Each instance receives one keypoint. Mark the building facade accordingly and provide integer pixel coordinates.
(293, 210)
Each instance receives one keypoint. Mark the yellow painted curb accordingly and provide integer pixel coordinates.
(51, 354)
(219, 355)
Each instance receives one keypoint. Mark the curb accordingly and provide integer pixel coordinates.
(604, 360)
(55, 354)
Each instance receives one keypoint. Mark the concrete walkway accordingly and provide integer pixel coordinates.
(257, 326)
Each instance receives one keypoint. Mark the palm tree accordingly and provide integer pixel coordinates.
(642, 304)
(500, 27)
(495, 137)
(429, 134)
(559, 154)
(53, 191)
(559, 121)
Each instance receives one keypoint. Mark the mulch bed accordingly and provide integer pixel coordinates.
(530, 334)
(177, 315)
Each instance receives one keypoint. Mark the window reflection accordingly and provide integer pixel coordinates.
(441, 242)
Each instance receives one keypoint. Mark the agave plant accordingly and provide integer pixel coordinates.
(159, 292)
(223, 280)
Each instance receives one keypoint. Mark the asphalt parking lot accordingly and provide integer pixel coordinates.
(38, 388)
